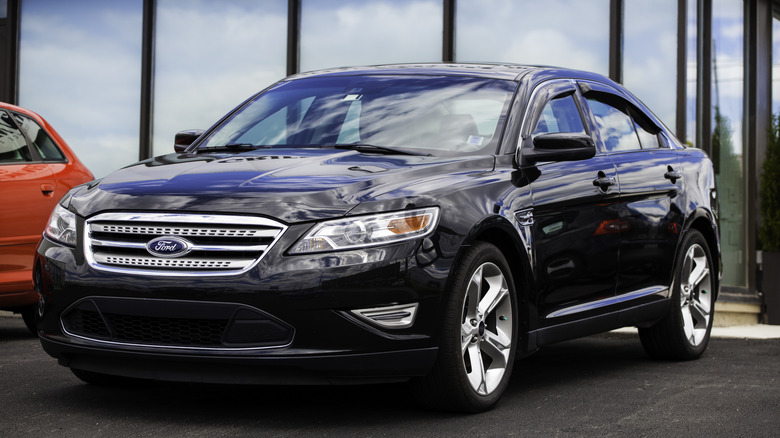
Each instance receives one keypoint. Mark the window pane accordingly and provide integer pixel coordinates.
(80, 68)
(210, 58)
(13, 146)
(441, 115)
(338, 33)
(560, 115)
(3, 8)
(727, 145)
(692, 78)
(566, 33)
(776, 64)
(45, 146)
(650, 55)
(615, 126)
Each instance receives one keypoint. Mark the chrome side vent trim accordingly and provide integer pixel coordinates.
(392, 317)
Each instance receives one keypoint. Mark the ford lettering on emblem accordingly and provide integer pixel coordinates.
(168, 246)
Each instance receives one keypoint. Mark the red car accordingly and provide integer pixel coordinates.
(36, 169)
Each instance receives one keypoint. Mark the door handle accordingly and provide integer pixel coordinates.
(47, 190)
(604, 182)
(672, 174)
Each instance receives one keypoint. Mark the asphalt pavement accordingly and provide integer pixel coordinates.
(599, 386)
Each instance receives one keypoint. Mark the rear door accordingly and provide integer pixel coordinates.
(27, 186)
(650, 179)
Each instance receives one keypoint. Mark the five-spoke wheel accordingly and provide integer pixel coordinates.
(685, 331)
(478, 337)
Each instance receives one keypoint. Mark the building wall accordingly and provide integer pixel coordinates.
(80, 66)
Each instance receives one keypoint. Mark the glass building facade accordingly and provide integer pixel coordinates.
(119, 78)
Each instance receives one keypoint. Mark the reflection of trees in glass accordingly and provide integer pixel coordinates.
(728, 174)
(769, 233)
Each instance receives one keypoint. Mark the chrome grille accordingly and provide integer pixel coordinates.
(218, 244)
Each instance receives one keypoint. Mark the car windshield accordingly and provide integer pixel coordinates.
(425, 115)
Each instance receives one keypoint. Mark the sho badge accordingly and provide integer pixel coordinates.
(168, 246)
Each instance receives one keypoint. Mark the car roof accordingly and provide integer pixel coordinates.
(485, 70)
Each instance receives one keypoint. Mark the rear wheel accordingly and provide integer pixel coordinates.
(685, 331)
(479, 336)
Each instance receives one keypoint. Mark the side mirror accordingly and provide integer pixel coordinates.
(557, 147)
(184, 139)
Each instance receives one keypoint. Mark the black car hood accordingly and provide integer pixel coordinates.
(291, 185)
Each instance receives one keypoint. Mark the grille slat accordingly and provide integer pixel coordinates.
(218, 244)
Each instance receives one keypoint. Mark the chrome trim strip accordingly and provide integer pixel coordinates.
(106, 259)
(226, 248)
(608, 301)
(173, 347)
(179, 231)
(186, 218)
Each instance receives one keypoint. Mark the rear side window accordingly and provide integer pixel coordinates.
(43, 144)
(13, 146)
(560, 115)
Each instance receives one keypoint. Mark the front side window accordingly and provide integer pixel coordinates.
(614, 123)
(426, 115)
(13, 146)
(560, 115)
(648, 134)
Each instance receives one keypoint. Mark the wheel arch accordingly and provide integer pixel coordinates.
(704, 222)
(501, 233)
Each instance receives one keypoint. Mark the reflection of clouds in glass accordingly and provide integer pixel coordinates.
(650, 55)
(728, 64)
(210, 56)
(80, 69)
(776, 66)
(535, 32)
(371, 32)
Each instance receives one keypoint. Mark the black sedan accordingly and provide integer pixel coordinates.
(430, 223)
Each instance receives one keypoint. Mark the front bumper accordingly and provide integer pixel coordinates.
(288, 320)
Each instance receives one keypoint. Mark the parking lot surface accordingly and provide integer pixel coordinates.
(598, 386)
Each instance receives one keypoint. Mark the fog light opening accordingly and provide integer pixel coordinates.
(393, 317)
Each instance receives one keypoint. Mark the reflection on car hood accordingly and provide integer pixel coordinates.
(289, 184)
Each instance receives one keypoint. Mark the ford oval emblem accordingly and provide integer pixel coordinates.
(168, 246)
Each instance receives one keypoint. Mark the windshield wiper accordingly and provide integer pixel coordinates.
(233, 147)
(378, 149)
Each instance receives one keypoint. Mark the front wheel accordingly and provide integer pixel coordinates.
(685, 331)
(479, 335)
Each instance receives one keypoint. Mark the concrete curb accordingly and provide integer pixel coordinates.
(753, 331)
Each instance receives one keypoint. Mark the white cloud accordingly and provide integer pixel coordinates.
(209, 58)
(565, 33)
(80, 69)
(370, 33)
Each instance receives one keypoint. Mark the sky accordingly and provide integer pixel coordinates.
(80, 61)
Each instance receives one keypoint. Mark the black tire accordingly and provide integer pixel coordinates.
(28, 316)
(684, 332)
(479, 336)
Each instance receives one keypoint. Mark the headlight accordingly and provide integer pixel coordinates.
(365, 231)
(62, 226)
